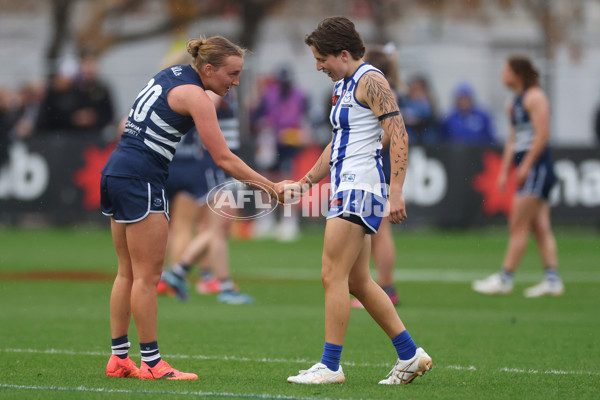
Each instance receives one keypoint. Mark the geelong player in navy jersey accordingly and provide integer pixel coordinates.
(527, 147)
(133, 194)
(364, 113)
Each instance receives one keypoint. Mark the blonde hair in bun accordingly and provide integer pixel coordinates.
(213, 50)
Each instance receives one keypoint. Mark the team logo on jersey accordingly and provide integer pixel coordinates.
(348, 177)
(176, 70)
(336, 202)
(348, 97)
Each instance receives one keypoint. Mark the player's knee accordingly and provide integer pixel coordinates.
(356, 286)
(329, 275)
(148, 279)
(518, 227)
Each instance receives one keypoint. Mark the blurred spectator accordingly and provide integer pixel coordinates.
(60, 101)
(95, 109)
(10, 109)
(76, 101)
(280, 121)
(468, 123)
(418, 110)
(32, 95)
(597, 124)
(281, 113)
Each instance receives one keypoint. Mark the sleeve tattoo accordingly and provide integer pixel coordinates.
(380, 96)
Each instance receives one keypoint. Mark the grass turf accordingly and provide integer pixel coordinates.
(54, 334)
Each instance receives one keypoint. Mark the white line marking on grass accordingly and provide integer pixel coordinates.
(154, 392)
(550, 371)
(461, 368)
(287, 361)
(423, 275)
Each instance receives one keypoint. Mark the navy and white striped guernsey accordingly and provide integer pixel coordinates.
(519, 118)
(152, 130)
(356, 145)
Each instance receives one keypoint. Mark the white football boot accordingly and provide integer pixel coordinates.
(493, 284)
(406, 370)
(545, 288)
(318, 374)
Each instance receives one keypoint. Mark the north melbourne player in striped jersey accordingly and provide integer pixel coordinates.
(364, 114)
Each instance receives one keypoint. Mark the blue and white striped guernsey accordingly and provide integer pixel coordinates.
(356, 146)
(153, 129)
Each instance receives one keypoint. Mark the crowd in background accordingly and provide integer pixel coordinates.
(76, 100)
(73, 100)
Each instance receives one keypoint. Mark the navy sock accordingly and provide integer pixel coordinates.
(150, 353)
(389, 290)
(331, 356)
(206, 274)
(551, 274)
(120, 347)
(405, 347)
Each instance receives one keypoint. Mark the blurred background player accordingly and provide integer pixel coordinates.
(191, 213)
(383, 250)
(527, 146)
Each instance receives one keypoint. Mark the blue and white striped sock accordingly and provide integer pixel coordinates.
(120, 347)
(150, 353)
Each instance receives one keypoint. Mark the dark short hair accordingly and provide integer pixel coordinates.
(335, 34)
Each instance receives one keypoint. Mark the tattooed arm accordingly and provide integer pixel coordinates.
(374, 91)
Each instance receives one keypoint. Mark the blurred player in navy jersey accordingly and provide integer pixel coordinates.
(527, 147)
(364, 113)
(133, 190)
(190, 210)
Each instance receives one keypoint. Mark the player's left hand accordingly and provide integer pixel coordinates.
(397, 206)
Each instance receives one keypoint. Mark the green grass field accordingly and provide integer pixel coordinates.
(54, 335)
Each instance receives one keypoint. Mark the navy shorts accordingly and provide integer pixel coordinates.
(541, 178)
(131, 199)
(195, 178)
(360, 207)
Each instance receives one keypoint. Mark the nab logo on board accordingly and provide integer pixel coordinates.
(578, 183)
(426, 181)
(26, 175)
